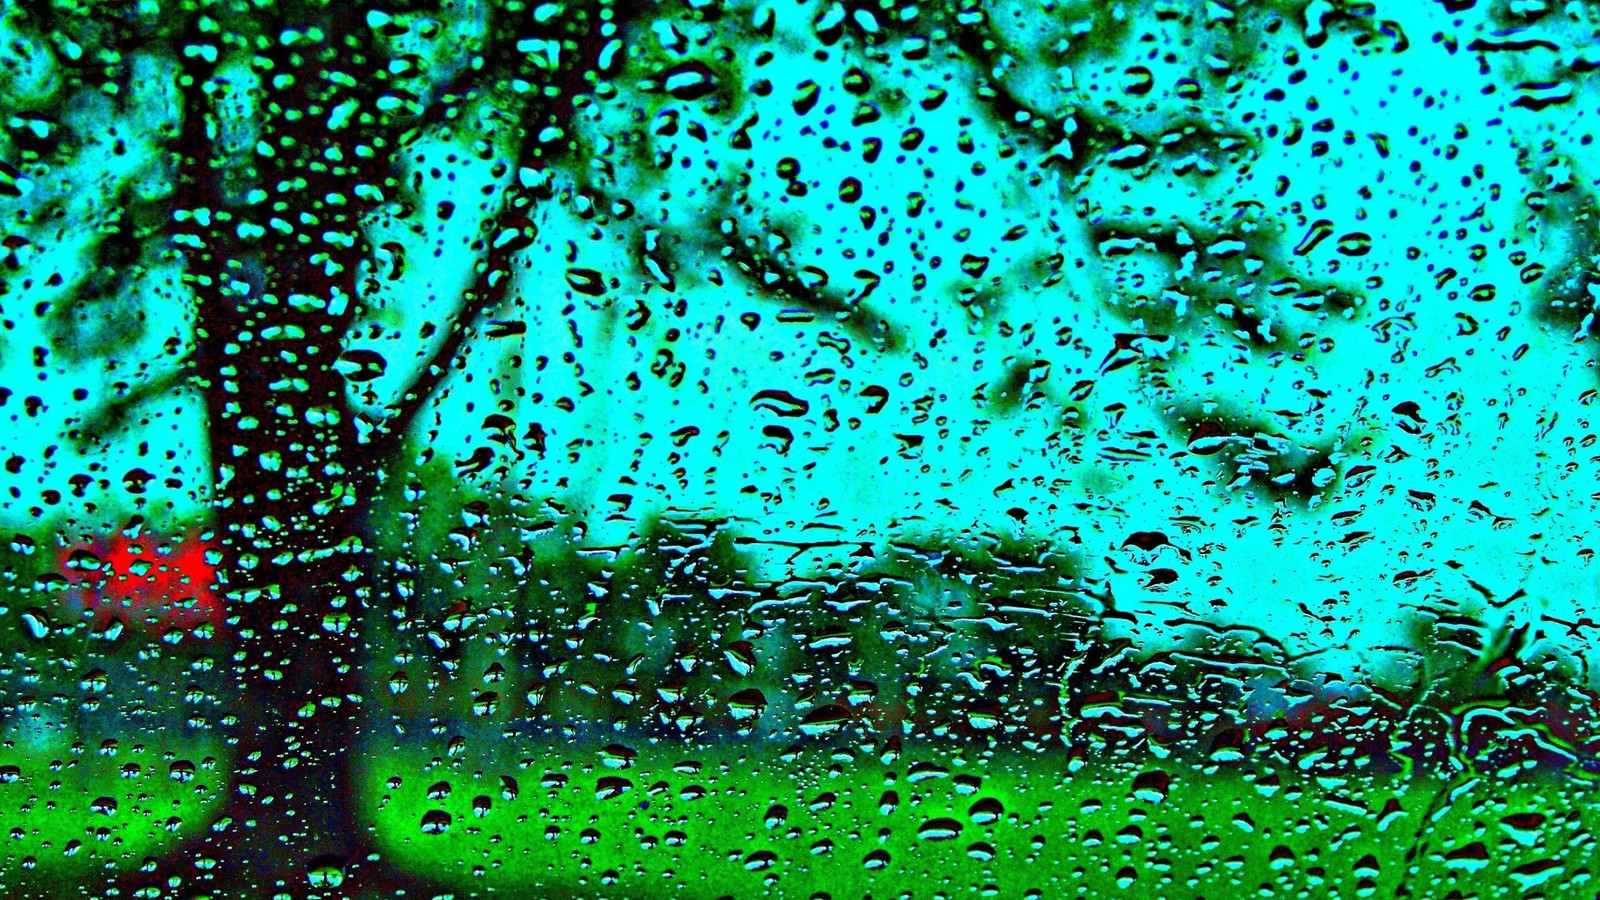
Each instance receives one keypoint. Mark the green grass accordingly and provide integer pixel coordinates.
(56, 829)
(1224, 834)
(1061, 831)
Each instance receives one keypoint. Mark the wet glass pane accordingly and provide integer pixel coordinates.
(842, 448)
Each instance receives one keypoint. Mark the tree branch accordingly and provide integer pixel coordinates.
(111, 414)
(511, 232)
(448, 101)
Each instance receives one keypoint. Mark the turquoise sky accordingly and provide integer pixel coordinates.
(1457, 422)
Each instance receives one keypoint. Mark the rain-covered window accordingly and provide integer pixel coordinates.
(840, 448)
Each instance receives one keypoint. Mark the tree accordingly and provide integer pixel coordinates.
(282, 129)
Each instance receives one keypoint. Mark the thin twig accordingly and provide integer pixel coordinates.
(511, 232)
(110, 415)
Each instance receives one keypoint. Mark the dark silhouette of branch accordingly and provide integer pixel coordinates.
(511, 231)
(454, 95)
(111, 415)
(778, 280)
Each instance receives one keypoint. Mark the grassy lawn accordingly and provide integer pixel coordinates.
(970, 825)
(830, 820)
(71, 809)
(708, 823)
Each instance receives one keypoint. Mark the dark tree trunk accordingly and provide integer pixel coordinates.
(299, 575)
(293, 482)
(294, 478)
